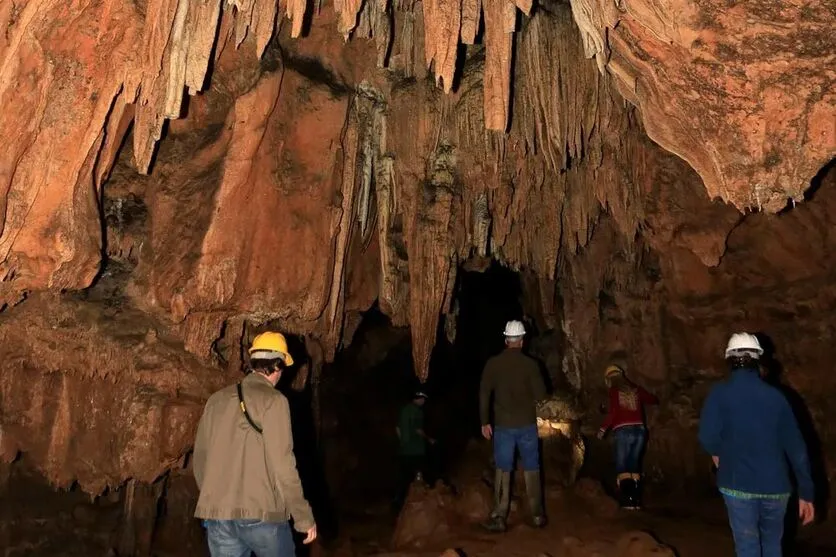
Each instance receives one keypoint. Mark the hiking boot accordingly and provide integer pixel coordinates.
(623, 492)
(627, 500)
(534, 491)
(501, 502)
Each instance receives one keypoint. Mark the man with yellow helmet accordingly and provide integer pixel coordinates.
(244, 463)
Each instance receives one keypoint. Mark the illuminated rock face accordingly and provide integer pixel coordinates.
(206, 176)
(742, 92)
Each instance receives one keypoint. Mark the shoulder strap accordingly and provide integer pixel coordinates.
(244, 409)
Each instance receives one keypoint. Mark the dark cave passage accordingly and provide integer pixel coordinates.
(371, 380)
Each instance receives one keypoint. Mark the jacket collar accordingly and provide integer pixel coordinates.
(256, 377)
(745, 373)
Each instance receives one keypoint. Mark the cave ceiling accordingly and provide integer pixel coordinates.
(743, 92)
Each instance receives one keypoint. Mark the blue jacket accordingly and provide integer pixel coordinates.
(750, 425)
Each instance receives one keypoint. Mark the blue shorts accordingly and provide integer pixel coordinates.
(506, 440)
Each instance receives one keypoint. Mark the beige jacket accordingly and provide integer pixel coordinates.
(244, 474)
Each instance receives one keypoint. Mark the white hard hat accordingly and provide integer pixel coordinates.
(744, 344)
(514, 329)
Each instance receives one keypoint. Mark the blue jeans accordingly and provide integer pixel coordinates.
(237, 538)
(506, 440)
(757, 525)
(629, 444)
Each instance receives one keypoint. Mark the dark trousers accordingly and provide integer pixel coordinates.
(408, 468)
(629, 445)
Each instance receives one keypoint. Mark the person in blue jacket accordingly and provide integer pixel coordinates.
(750, 431)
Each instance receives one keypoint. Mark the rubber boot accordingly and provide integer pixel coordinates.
(501, 502)
(534, 491)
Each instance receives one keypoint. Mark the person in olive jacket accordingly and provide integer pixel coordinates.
(517, 386)
(244, 463)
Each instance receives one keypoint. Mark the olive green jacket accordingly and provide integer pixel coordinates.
(241, 473)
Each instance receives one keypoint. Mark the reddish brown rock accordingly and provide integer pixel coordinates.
(424, 518)
(89, 399)
(640, 544)
(744, 93)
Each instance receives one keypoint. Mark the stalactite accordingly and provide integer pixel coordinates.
(500, 19)
(558, 120)
(264, 22)
(387, 207)
(471, 16)
(481, 225)
(442, 24)
(375, 23)
(593, 40)
(433, 255)
(348, 11)
(349, 187)
(176, 52)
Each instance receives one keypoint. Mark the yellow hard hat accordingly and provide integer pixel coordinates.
(269, 346)
(613, 370)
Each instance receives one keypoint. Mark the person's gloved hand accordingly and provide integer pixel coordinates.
(806, 512)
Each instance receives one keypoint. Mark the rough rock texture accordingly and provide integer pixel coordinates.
(306, 178)
(631, 544)
(93, 393)
(670, 316)
(743, 92)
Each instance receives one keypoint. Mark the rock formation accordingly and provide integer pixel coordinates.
(206, 168)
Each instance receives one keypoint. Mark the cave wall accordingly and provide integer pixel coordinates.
(654, 305)
(302, 178)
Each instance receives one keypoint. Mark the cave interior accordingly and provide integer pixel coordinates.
(388, 183)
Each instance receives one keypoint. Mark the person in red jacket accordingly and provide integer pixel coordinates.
(626, 418)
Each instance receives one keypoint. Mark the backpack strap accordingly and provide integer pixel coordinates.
(244, 409)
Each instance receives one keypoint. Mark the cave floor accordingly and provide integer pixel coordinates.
(581, 525)
(583, 522)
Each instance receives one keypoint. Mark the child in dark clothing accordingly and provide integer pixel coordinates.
(412, 446)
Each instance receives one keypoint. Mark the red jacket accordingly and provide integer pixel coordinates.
(627, 407)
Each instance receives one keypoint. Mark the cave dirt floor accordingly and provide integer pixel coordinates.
(584, 522)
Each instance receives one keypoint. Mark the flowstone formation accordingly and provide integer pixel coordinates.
(210, 168)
